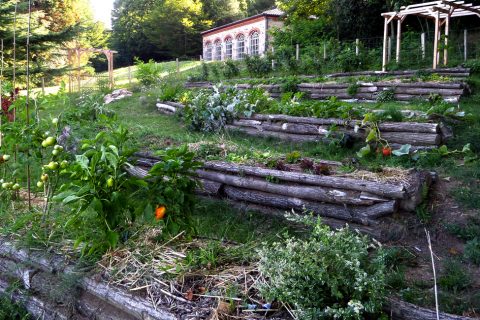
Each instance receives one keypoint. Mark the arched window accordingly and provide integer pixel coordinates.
(240, 46)
(218, 50)
(228, 48)
(254, 44)
(208, 52)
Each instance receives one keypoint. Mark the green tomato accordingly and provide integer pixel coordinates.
(50, 141)
(44, 143)
(44, 177)
(5, 185)
(64, 164)
(55, 152)
(110, 182)
(52, 165)
(16, 186)
(58, 147)
(55, 121)
(40, 184)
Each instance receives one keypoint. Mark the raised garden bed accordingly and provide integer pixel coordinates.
(458, 73)
(360, 197)
(400, 91)
(303, 129)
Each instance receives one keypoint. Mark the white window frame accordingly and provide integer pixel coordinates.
(255, 43)
(208, 51)
(228, 48)
(240, 43)
(217, 50)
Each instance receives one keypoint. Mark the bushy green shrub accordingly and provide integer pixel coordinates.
(230, 69)
(147, 73)
(472, 251)
(331, 274)
(257, 66)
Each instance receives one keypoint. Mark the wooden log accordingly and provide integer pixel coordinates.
(208, 187)
(174, 104)
(402, 310)
(306, 120)
(372, 231)
(135, 306)
(428, 91)
(247, 123)
(384, 126)
(417, 139)
(432, 85)
(320, 194)
(165, 108)
(362, 215)
(323, 85)
(419, 182)
(391, 191)
(35, 307)
(415, 127)
(308, 129)
(279, 135)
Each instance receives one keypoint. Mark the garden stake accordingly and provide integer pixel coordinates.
(434, 274)
(27, 107)
(1, 93)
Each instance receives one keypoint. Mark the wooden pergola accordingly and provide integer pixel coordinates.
(441, 11)
(75, 55)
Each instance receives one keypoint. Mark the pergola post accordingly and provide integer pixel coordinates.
(399, 32)
(435, 41)
(385, 39)
(445, 50)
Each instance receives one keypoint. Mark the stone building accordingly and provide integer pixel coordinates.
(239, 38)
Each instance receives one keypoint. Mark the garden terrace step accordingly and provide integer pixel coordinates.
(449, 72)
(361, 197)
(40, 275)
(103, 303)
(422, 136)
(401, 91)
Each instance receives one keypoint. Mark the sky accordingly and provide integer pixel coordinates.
(102, 10)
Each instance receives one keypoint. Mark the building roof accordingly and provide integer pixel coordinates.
(269, 13)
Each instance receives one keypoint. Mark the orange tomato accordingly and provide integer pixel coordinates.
(160, 212)
(387, 151)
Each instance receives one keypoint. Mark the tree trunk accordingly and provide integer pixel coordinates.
(303, 192)
(387, 190)
(406, 311)
(362, 215)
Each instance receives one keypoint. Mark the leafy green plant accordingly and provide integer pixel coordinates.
(99, 183)
(257, 66)
(293, 157)
(290, 84)
(171, 184)
(328, 275)
(454, 278)
(472, 251)
(386, 95)
(353, 89)
(147, 73)
(230, 69)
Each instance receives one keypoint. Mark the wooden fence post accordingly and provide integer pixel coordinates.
(201, 58)
(129, 75)
(43, 85)
(273, 64)
(297, 53)
(178, 66)
(324, 51)
(389, 51)
(357, 47)
(422, 40)
(465, 52)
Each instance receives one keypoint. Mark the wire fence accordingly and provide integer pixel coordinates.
(416, 51)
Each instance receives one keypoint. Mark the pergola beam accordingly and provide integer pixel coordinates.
(441, 11)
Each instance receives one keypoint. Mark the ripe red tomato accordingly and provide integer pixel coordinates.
(387, 151)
